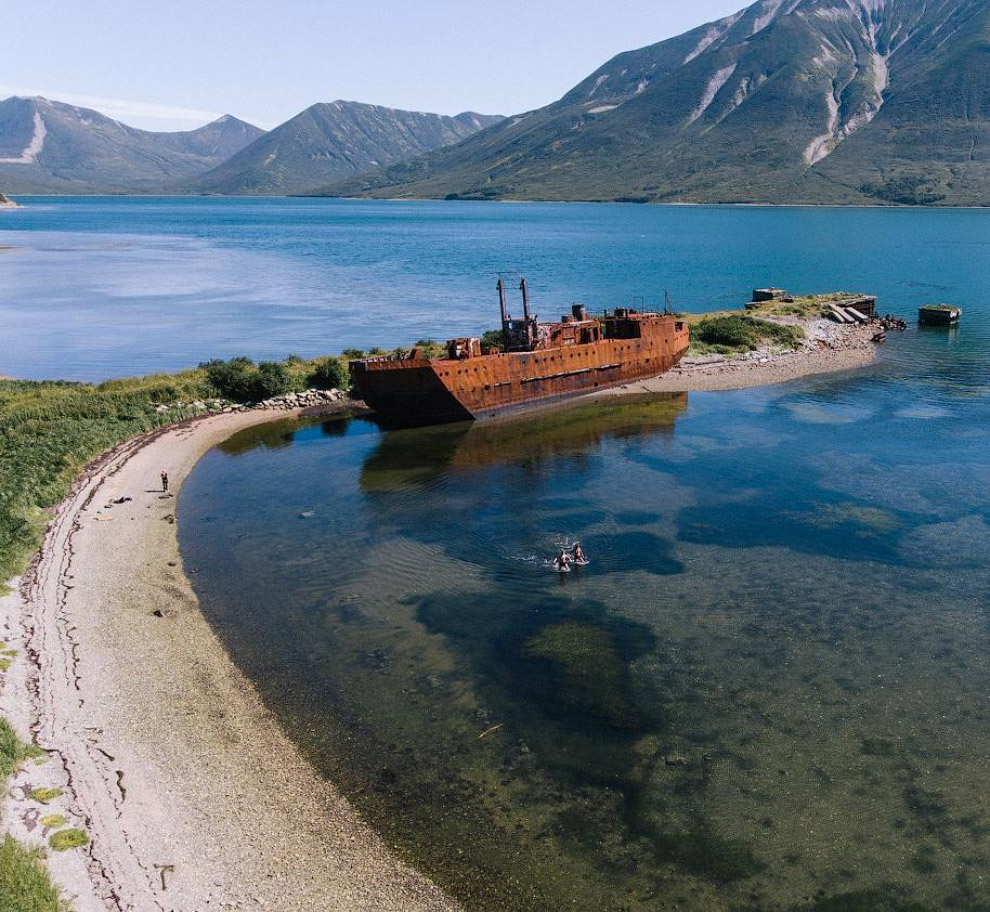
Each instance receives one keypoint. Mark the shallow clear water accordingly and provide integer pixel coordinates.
(768, 691)
(102, 287)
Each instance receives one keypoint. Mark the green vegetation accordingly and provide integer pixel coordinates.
(24, 882)
(905, 190)
(329, 374)
(64, 840)
(12, 751)
(54, 821)
(494, 338)
(45, 795)
(50, 431)
(241, 381)
(737, 334)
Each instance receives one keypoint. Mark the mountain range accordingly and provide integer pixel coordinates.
(331, 142)
(787, 101)
(51, 147)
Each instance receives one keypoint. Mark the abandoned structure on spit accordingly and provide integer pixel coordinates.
(537, 363)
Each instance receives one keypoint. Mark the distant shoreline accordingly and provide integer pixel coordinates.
(428, 199)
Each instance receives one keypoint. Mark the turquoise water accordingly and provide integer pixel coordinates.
(110, 286)
(769, 691)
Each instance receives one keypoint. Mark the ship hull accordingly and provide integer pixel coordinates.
(445, 390)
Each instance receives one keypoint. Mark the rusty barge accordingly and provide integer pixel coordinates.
(537, 364)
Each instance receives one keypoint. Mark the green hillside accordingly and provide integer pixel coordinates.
(330, 142)
(788, 101)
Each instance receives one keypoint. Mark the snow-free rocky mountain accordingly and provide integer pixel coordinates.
(51, 147)
(818, 101)
(334, 141)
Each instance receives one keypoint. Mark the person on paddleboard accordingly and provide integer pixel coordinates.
(563, 561)
(579, 556)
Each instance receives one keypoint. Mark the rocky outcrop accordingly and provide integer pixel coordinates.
(292, 401)
(7, 203)
(289, 402)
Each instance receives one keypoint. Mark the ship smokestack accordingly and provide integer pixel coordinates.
(525, 293)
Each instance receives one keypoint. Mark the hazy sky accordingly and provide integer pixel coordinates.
(174, 64)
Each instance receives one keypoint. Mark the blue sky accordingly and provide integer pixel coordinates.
(175, 64)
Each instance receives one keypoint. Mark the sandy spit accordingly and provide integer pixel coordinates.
(192, 796)
(831, 349)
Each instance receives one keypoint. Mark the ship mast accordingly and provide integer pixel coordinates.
(505, 312)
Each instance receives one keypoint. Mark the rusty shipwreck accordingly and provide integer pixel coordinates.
(537, 364)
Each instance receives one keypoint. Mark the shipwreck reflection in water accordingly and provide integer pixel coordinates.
(415, 455)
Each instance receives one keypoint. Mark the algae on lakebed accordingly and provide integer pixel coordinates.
(590, 675)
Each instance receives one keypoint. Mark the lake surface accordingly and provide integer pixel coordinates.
(771, 688)
(101, 287)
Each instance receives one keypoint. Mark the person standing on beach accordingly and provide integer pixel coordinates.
(165, 482)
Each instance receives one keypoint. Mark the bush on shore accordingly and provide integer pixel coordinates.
(329, 374)
(241, 381)
(735, 334)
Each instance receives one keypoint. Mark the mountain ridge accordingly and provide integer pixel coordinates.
(51, 146)
(333, 140)
(786, 101)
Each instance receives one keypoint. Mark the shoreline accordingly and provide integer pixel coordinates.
(509, 201)
(192, 796)
(831, 349)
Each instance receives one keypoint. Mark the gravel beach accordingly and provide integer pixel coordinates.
(192, 796)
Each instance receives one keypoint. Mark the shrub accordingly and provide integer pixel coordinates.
(233, 379)
(352, 354)
(271, 379)
(494, 338)
(745, 334)
(328, 374)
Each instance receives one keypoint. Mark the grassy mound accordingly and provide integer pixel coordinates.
(738, 334)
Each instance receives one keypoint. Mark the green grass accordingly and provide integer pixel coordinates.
(12, 752)
(24, 882)
(739, 334)
(64, 840)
